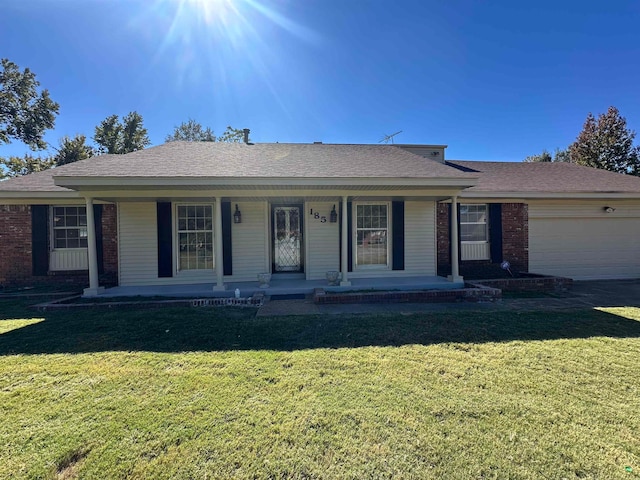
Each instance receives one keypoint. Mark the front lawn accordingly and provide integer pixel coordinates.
(218, 393)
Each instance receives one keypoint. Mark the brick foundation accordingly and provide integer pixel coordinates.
(515, 243)
(15, 251)
(471, 293)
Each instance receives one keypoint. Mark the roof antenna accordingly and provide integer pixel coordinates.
(389, 138)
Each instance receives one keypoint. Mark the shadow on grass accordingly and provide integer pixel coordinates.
(223, 329)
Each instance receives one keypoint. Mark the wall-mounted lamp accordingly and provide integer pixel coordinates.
(333, 216)
(609, 209)
(237, 216)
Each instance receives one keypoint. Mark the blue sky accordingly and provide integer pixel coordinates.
(495, 80)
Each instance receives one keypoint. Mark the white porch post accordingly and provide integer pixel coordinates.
(94, 286)
(217, 233)
(455, 255)
(344, 264)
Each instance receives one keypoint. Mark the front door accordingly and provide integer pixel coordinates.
(286, 221)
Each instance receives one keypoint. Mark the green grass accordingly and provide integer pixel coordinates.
(219, 393)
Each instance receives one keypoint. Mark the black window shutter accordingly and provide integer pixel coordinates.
(165, 240)
(97, 217)
(397, 233)
(495, 231)
(39, 236)
(349, 237)
(227, 220)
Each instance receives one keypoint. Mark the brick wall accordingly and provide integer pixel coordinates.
(442, 239)
(110, 244)
(515, 243)
(515, 235)
(15, 244)
(15, 250)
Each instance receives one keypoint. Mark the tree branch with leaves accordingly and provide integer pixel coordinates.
(25, 113)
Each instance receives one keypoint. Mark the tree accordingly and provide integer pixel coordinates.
(113, 136)
(73, 149)
(561, 155)
(191, 131)
(18, 166)
(25, 114)
(232, 135)
(545, 156)
(606, 143)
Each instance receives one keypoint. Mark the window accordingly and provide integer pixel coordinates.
(371, 234)
(195, 237)
(473, 223)
(69, 227)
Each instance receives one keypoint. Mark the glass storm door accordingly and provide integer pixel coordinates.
(287, 238)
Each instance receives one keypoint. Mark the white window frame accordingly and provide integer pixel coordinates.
(66, 258)
(475, 249)
(355, 229)
(176, 236)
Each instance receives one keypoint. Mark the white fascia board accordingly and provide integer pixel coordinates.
(553, 195)
(71, 182)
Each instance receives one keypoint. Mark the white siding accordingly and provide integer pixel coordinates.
(475, 251)
(138, 249)
(68, 259)
(323, 242)
(248, 242)
(419, 244)
(419, 238)
(581, 241)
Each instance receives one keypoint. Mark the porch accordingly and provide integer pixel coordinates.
(287, 286)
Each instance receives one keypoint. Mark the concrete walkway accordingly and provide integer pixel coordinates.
(585, 294)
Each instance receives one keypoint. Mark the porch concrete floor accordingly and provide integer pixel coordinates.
(282, 287)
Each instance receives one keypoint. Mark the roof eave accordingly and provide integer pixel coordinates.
(549, 195)
(78, 182)
(38, 194)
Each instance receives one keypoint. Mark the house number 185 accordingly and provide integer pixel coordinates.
(317, 216)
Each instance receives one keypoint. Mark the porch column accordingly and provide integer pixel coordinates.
(94, 287)
(344, 264)
(217, 234)
(455, 255)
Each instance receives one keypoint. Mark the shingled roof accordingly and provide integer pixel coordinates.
(268, 160)
(34, 182)
(544, 177)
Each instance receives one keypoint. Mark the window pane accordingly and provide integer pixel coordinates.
(371, 235)
(195, 237)
(473, 232)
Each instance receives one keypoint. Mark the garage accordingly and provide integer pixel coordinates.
(585, 241)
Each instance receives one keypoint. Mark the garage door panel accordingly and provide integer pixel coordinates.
(583, 248)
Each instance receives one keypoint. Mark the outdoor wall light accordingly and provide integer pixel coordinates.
(333, 216)
(609, 209)
(237, 216)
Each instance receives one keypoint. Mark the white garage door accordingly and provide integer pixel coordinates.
(584, 242)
